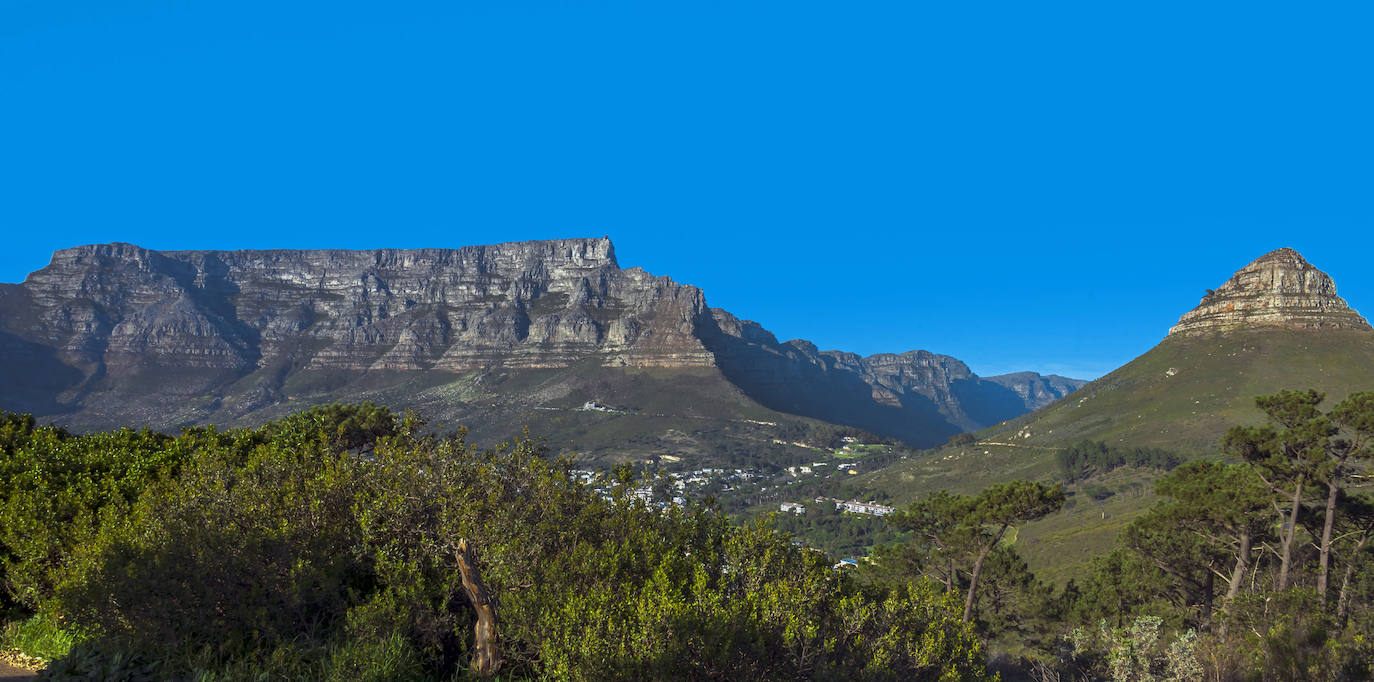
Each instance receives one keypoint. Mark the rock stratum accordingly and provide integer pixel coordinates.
(115, 334)
(1278, 290)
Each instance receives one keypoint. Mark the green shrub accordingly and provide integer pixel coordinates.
(39, 637)
(323, 547)
(89, 662)
(381, 660)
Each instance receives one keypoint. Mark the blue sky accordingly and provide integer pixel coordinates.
(1040, 186)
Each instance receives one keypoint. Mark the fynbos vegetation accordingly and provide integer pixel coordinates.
(1255, 566)
(343, 543)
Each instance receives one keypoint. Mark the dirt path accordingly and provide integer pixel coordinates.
(9, 673)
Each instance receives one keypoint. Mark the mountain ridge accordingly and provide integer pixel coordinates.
(113, 334)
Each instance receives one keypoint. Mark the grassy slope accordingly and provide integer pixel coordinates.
(1217, 379)
(1213, 387)
(689, 412)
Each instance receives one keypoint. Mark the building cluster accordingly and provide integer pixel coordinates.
(871, 508)
(857, 507)
(696, 483)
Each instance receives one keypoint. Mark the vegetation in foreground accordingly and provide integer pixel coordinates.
(343, 543)
(1256, 566)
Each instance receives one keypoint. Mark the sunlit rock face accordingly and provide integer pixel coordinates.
(1279, 289)
(528, 304)
(116, 334)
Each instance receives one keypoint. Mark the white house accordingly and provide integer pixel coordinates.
(872, 508)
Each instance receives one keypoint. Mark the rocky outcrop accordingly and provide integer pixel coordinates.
(117, 334)
(1278, 290)
(1037, 390)
(524, 304)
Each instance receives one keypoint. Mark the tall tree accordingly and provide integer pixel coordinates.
(1226, 506)
(1308, 447)
(1285, 458)
(1354, 416)
(1357, 527)
(940, 536)
(1164, 539)
(994, 510)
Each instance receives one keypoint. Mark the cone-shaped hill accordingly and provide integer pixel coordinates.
(1276, 324)
(1280, 289)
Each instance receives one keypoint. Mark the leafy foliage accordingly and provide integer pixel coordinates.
(838, 533)
(1088, 457)
(323, 546)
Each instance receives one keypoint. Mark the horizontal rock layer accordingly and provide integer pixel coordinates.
(116, 332)
(1278, 290)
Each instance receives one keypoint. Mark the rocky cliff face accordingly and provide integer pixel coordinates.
(1037, 390)
(1278, 290)
(117, 334)
(918, 396)
(526, 304)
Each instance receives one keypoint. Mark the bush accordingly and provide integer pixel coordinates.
(308, 551)
(38, 637)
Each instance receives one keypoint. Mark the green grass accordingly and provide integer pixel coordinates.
(1059, 546)
(38, 637)
(1213, 386)
(860, 451)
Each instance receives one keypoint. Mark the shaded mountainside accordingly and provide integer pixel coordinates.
(493, 336)
(917, 396)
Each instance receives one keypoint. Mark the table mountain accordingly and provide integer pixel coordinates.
(116, 334)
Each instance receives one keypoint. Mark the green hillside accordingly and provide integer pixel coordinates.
(1181, 395)
(690, 413)
(1186, 391)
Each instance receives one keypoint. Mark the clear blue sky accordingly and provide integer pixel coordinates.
(1023, 185)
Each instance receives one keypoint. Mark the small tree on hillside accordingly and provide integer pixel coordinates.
(940, 537)
(1308, 447)
(1226, 505)
(994, 510)
(949, 531)
(1285, 458)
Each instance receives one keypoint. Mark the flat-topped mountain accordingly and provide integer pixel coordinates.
(116, 334)
(529, 304)
(1279, 289)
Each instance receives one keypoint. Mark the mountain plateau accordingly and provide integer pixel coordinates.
(492, 336)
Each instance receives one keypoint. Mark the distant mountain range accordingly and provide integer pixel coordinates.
(492, 336)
